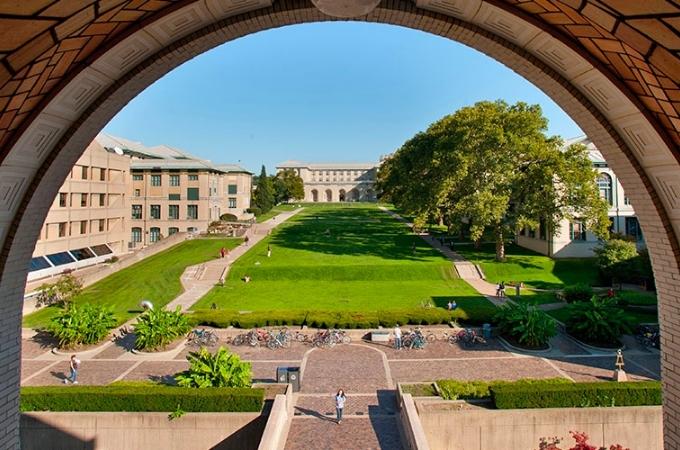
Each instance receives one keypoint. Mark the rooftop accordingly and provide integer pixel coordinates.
(290, 164)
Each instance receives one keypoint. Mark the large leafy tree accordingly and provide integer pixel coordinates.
(263, 199)
(492, 167)
(288, 186)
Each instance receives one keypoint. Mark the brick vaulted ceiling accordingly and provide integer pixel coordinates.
(44, 43)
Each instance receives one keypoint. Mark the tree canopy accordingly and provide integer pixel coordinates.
(492, 167)
(263, 198)
(288, 186)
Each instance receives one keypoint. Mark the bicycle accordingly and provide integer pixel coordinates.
(202, 338)
(648, 336)
(278, 340)
(414, 339)
(467, 337)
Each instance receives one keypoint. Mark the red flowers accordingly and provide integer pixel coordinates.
(581, 440)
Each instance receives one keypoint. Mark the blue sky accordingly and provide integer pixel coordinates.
(338, 91)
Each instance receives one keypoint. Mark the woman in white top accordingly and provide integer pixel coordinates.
(339, 404)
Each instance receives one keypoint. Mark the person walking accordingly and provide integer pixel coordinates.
(246, 239)
(397, 337)
(269, 251)
(223, 252)
(74, 366)
(339, 404)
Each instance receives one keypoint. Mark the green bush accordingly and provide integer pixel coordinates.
(579, 292)
(155, 329)
(526, 324)
(576, 395)
(221, 369)
(617, 259)
(459, 389)
(140, 398)
(81, 324)
(598, 321)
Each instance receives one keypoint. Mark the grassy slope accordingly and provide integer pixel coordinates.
(155, 278)
(533, 269)
(275, 211)
(365, 263)
(636, 317)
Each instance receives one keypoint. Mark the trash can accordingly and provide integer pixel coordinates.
(486, 330)
(294, 378)
(282, 374)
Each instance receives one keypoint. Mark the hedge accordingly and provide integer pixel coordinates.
(154, 398)
(477, 389)
(334, 319)
(576, 395)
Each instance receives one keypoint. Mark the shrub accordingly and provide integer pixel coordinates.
(579, 292)
(526, 324)
(81, 324)
(617, 259)
(598, 321)
(59, 293)
(455, 389)
(576, 395)
(221, 369)
(111, 260)
(155, 329)
(140, 398)
(254, 210)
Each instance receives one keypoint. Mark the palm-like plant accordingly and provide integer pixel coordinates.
(221, 369)
(526, 324)
(78, 325)
(157, 328)
(598, 321)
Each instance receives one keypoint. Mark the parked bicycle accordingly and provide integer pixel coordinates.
(648, 336)
(329, 338)
(280, 339)
(467, 337)
(202, 338)
(414, 340)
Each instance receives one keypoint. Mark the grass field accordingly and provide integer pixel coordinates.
(156, 278)
(342, 258)
(533, 269)
(274, 211)
(636, 317)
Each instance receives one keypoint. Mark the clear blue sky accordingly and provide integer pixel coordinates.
(337, 91)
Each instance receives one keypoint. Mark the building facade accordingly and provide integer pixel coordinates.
(335, 182)
(572, 239)
(87, 222)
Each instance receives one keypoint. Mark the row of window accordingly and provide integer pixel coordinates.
(81, 198)
(77, 228)
(173, 212)
(577, 230)
(154, 233)
(61, 258)
(91, 173)
(174, 181)
(192, 194)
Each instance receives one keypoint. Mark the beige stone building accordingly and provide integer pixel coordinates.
(335, 182)
(573, 240)
(87, 222)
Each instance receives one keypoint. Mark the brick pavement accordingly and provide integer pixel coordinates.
(354, 433)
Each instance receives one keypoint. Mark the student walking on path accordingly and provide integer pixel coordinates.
(397, 337)
(339, 404)
(74, 366)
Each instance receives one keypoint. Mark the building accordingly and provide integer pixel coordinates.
(87, 222)
(572, 239)
(336, 182)
(172, 191)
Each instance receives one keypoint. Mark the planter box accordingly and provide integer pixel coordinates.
(380, 336)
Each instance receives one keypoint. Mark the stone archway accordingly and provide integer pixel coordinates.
(315, 195)
(328, 195)
(342, 196)
(68, 67)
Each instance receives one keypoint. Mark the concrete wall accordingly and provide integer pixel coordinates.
(276, 430)
(148, 431)
(638, 428)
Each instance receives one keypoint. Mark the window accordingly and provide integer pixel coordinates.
(155, 180)
(154, 234)
(193, 177)
(61, 258)
(232, 202)
(626, 201)
(192, 211)
(173, 197)
(604, 184)
(83, 227)
(172, 230)
(232, 189)
(102, 199)
(102, 174)
(101, 249)
(102, 225)
(62, 199)
(633, 228)
(577, 231)
(62, 229)
(136, 234)
(84, 172)
(192, 193)
(173, 211)
(137, 177)
(174, 180)
(532, 233)
(138, 192)
(136, 211)
(39, 262)
(82, 253)
(155, 211)
(83, 200)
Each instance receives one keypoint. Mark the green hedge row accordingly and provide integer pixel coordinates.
(576, 395)
(477, 389)
(330, 319)
(150, 398)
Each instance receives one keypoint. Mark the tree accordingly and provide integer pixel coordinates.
(264, 193)
(288, 186)
(618, 259)
(491, 167)
(61, 292)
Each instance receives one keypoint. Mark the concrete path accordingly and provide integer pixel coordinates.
(199, 279)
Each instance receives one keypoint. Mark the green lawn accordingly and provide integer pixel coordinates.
(532, 268)
(532, 297)
(275, 211)
(351, 257)
(156, 278)
(636, 317)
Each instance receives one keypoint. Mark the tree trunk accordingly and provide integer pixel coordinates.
(500, 246)
(478, 244)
